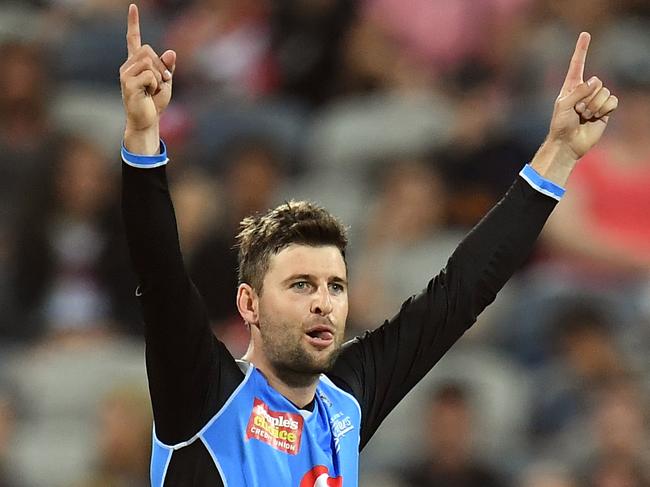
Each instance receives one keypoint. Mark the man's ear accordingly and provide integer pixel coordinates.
(248, 304)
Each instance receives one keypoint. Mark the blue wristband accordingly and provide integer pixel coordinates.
(145, 162)
(541, 184)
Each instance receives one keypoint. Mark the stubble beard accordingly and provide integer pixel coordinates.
(291, 360)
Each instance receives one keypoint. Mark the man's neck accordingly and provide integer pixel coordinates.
(297, 388)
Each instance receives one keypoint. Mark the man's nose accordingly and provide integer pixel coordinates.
(322, 303)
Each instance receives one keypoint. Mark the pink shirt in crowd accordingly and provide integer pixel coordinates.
(617, 198)
(443, 31)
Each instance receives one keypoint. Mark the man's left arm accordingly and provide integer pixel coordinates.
(383, 365)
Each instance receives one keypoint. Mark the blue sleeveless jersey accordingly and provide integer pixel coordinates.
(259, 438)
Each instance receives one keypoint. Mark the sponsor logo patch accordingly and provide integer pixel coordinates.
(281, 430)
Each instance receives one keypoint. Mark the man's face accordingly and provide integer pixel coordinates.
(303, 308)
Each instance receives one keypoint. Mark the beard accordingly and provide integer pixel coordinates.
(291, 358)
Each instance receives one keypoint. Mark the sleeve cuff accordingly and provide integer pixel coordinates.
(542, 184)
(145, 162)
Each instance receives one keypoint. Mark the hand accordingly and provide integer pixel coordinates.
(582, 109)
(146, 82)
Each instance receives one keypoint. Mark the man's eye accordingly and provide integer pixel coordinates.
(337, 288)
(300, 285)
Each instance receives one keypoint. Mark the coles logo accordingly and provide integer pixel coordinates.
(319, 477)
(281, 430)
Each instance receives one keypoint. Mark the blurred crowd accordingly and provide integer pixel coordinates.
(406, 118)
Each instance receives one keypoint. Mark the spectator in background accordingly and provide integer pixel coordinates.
(7, 478)
(406, 227)
(450, 459)
(24, 89)
(308, 40)
(444, 34)
(26, 133)
(86, 39)
(374, 62)
(547, 475)
(124, 440)
(388, 107)
(482, 155)
(587, 357)
(621, 453)
(198, 201)
(224, 45)
(65, 257)
(253, 174)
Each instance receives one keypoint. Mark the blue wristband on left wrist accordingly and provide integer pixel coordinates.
(145, 162)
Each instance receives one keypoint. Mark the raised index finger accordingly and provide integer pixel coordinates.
(577, 67)
(133, 41)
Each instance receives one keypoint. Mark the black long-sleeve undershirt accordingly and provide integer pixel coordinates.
(191, 374)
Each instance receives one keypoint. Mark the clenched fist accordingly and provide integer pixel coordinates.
(146, 81)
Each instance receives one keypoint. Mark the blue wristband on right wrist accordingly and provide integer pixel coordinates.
(541, 184)
(145, 162)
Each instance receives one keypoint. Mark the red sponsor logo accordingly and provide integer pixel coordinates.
(319, 477)
(281, 430)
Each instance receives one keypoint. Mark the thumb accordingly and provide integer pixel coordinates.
(169, 59)
(580, 92)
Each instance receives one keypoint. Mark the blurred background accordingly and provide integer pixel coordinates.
(408, 119)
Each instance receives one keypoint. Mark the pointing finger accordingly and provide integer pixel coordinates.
(576, 70)
(133, 41)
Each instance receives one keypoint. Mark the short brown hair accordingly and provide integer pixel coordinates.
(294, 222)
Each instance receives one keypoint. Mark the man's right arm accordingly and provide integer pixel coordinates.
(190, 373)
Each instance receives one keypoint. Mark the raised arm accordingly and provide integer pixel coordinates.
(382, 366)
(189, 371)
